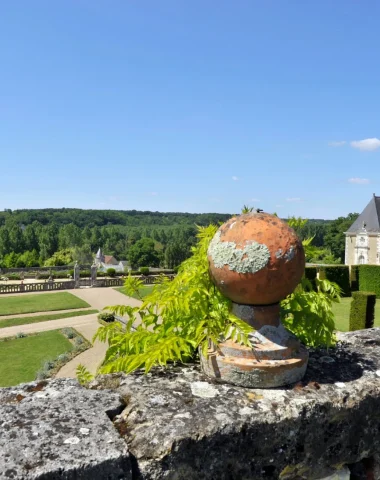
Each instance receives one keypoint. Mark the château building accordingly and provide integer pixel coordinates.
(363, 237)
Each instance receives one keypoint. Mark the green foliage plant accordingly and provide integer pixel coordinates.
(362, 313)
(339, 274)
(307, 312)
(144, 270)
(177, 318)
(83, 375)
(246, 209)
(369, 279)
(188, 313)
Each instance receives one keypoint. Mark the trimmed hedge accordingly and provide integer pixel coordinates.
(144, 270)
(362, 312)
(354, 278)
(369, 279)
(311, 275)
(339, 274)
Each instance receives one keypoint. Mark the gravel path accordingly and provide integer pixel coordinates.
(37, 314)
(73, 322)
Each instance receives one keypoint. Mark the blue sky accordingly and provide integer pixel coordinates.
(196, 106)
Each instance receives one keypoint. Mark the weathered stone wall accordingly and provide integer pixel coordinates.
(176, 424)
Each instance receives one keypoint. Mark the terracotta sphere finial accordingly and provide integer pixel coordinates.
(256, 259)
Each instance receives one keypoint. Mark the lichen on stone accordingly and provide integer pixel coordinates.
(250, 259)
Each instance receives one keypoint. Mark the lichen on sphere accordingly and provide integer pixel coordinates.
(256, 259)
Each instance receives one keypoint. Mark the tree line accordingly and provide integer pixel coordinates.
(61, 236)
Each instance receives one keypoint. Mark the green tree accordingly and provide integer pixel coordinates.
(16, 239)
(48, 241)
(60, 258)
(175, 254)
(69, 236)
(5, 244)
(335, 239)
(30, 236)
(10, 260)
(29, 259)
(144, 254)
(82, 255)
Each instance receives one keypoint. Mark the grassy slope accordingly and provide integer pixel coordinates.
(21, 358)
(144, 291)
(12, 322)
(342, 314)
(40, 303)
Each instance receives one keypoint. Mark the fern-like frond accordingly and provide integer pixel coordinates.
(158, 352)
(83, 375)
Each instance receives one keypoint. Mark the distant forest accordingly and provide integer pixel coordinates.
(55, 236)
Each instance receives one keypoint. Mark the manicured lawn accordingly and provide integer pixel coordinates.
(342, 314)
(21, 358)
(40, 303)
(144, 291)
(12, 322)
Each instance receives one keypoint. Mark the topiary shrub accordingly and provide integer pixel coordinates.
(42, 374)
(78, 340)
(111, 272)
(69, 332)
(48, 365)
(369, 279)
(354, 278)
(339, 274)
(362, 312)
(144, 270)
(63, 358)
(311, 275)
(106, 317)
(85, 274)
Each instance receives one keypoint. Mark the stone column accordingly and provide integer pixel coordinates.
(76, 274)
(94, 271)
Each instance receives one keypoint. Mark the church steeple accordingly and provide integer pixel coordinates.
(99, 258)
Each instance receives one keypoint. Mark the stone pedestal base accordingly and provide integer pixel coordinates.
(276, 359)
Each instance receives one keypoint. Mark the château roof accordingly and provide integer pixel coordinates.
(369, 218)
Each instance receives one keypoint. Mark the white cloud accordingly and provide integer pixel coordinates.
(337, 144)
(279, 206)
(293, 199)
(235, 179)
(359, 181)
(366, 145)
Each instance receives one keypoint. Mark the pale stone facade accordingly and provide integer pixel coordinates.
(363, 237)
